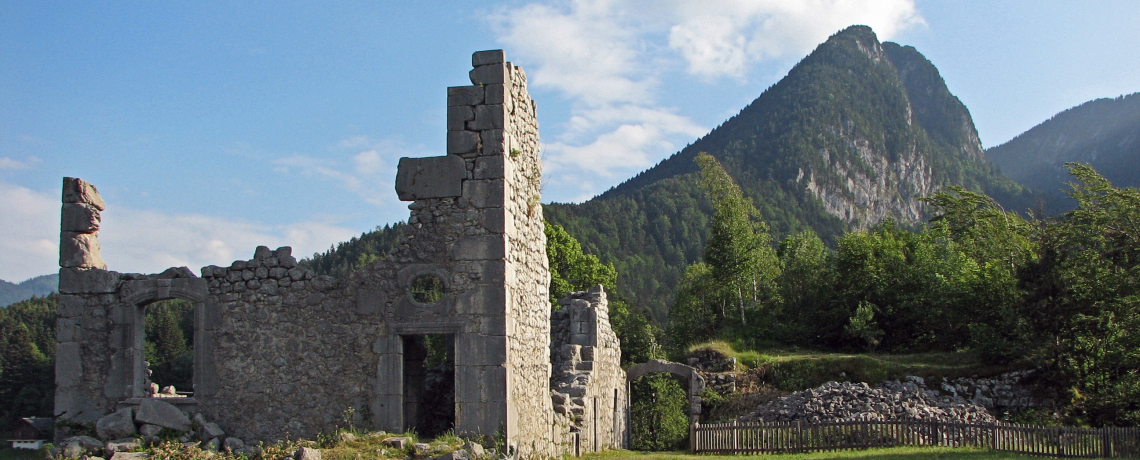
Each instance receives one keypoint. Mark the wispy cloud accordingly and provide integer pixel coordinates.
(724, 38)
(10, 164)
(609, 58)
(145, 241)
(363, 165)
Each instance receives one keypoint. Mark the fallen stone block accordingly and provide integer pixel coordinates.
(163, 414)
(119, 424)
(307, 453)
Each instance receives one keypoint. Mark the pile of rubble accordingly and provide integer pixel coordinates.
(908, 400)
(130, 428)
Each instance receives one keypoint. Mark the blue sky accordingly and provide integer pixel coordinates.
(214, 127)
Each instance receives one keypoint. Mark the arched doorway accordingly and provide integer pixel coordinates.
(688, 377)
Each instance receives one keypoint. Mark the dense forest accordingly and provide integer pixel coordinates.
(1058, 294)
(1105, 133)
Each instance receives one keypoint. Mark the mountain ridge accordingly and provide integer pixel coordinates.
(43, 285)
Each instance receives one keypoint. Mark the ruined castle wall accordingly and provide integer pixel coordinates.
(287, 353)
(588, 385)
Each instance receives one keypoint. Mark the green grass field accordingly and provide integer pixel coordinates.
(894, 453)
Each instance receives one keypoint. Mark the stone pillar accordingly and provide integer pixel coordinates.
(79, 226)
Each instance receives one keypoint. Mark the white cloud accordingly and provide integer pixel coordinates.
(369, 172)
(10, 164)
(29, 233)
(143, 241)
(724, 38)
(608, 58)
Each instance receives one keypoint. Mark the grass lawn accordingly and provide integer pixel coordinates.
(8, 453)
(894, 453)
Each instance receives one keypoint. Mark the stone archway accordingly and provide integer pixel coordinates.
(689, 373)
(135, 295)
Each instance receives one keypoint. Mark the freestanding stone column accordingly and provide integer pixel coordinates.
(79, 225)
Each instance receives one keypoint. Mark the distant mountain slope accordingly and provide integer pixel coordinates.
(39, 286)
(854, 134)
(1103, 132)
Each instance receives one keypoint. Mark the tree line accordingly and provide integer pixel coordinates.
(1060, 294)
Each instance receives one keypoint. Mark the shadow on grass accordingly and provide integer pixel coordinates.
(898, 453)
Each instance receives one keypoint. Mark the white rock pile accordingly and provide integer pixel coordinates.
(908, 400)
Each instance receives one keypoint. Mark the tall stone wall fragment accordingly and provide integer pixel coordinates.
(79, 226)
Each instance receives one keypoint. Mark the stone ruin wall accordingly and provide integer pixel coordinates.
(281, 352)
(588, 385)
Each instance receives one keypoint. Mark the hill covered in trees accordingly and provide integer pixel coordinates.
(855, 134)
(39, 286)
(1104, 133)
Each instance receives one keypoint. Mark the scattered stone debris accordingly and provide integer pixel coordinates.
(908, 400)
(120, 432)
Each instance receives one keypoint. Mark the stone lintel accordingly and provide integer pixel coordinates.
(431, 177)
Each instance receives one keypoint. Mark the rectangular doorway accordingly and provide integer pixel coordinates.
(429, 383)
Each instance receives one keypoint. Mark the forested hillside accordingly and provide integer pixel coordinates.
(38, 286)
(854, 134)
(1104, 133)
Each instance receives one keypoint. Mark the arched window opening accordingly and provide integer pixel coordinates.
(169, 348)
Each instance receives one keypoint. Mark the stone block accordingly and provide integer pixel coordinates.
(79, 281)
(76, 190)
(493, 219)
(489, 74)
(480, 350)
(233, 444)
(464, 95)
(68, 364)
(129, 456)
(480, 247)
(80, 250)
(71, 306)
(458, 116)
(150, 430)
(79, 217)
(161, 413)
(489, 167)
(484, 193)
(460, 142)
(467, 383)
(212, 430)
(431, 177)
(483, 299)
(307, 453)
(455, 455)
(495, 94)
(488, 57)
(488, 117)
(67, 330)
(494, 142)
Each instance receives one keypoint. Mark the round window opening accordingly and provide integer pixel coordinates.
(427, 289)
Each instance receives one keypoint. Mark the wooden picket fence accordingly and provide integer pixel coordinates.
(750, 438)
